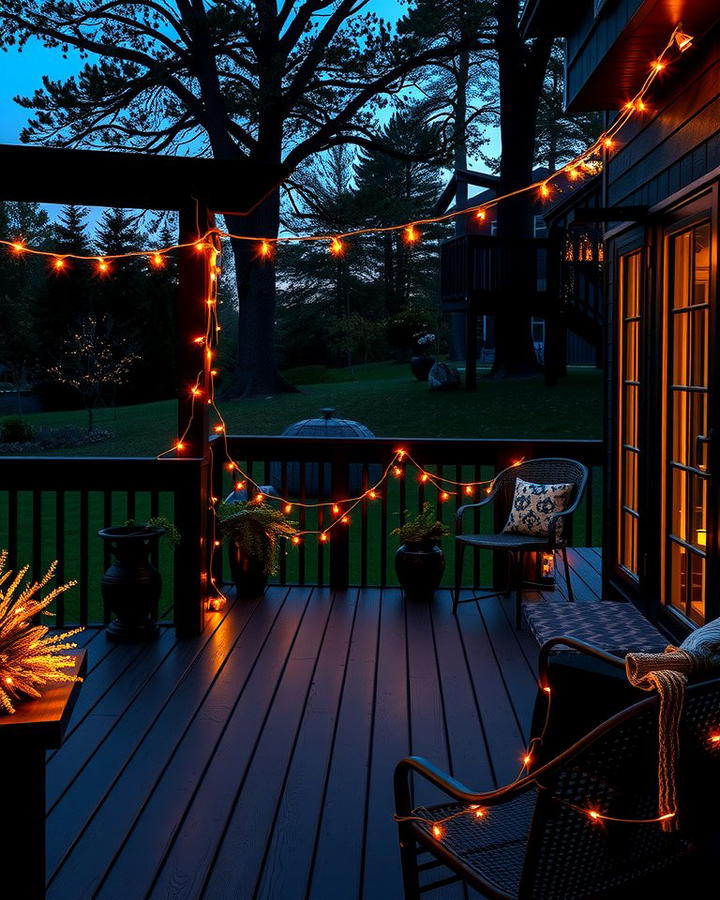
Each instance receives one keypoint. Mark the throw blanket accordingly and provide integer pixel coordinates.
(667, 673)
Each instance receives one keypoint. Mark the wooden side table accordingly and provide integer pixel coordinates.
(37, 726)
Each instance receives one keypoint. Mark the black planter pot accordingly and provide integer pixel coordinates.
(421, 366)
(419, 569)
(247, 572)
(132, 585)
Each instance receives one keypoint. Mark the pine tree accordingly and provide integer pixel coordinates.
(22, 282)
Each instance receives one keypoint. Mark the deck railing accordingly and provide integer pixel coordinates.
(52, 508)
(305, 469)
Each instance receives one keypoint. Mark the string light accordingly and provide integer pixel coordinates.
(103, 266)
(59, 263)
(18, 247)
(682, 40)
(481, 215)
(586, 161)
(336, 248)
(411, 235)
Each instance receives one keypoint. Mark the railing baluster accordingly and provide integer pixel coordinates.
(477, 476)
(589, 542)
(84, 554)
(12, 528)
(365, 483)
(383, 534)
(37, 533)
(321, 524)
(284, 547)
(303, 522)
(60, 555)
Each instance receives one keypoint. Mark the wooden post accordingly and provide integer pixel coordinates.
(196, 344)
(471, 350)
(340, 535)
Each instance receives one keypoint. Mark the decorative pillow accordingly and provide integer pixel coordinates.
(533, 506)
(704, 644)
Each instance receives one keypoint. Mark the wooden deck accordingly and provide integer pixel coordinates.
(256, 761)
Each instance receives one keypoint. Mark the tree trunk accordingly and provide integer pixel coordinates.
(459, 319)
(521, 71)
(256, 371)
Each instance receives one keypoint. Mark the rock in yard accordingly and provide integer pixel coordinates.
(443, 377)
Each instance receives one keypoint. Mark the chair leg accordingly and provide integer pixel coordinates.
(408, 860)
(518, 575)
(571, 597)
(459, 554)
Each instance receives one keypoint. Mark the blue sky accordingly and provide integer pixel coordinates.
(21, 73)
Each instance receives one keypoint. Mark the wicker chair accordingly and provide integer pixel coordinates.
(535, 839)
(540, 471)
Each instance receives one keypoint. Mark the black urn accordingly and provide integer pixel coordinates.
(131, 586)
(421, 365)
(247, 572)
(419, 568)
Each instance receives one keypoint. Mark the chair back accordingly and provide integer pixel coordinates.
(540, 471)
(613, 770)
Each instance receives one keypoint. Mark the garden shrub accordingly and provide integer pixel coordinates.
(14, 430)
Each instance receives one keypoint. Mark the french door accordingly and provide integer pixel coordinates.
(688, 397)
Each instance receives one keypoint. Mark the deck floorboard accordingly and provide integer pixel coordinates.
(255, 761)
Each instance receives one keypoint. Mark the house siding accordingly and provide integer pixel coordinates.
(592, 38)
(680, 144)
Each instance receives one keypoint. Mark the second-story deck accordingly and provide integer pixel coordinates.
(255, 761)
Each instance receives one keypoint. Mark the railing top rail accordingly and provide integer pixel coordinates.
(430, 450)
(95, 472)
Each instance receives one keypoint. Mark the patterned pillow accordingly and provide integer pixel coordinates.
(533, 505)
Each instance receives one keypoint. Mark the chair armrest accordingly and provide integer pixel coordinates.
(575, 644)
(449, 785)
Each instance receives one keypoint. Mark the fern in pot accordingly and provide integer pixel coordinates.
(254, 532)
(419, 560)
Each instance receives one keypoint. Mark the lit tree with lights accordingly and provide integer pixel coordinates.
(92, 360)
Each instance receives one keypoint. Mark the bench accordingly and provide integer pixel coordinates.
(613, 626)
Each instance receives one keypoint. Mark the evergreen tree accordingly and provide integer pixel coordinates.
(22, 282)
(402, 187)
(561, 135)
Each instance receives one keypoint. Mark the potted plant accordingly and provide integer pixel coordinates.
(420, 362)
(131, 586)
(253, 532)
(419, 560)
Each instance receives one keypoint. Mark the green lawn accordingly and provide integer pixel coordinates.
(385, 397)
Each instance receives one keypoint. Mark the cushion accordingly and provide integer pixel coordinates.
(533, 506)
(619, 628)
(704, 644)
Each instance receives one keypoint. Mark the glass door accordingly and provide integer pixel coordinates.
(628, 400)
(685, 467)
